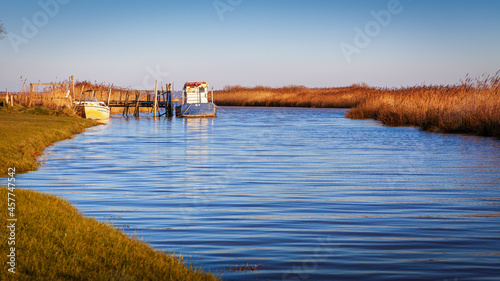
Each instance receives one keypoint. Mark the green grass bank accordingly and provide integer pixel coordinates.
(26, 132)
(53, 241)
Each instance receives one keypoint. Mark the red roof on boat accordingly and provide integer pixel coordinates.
(194, 84)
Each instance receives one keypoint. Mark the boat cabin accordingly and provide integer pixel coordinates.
(195, 92)
(195, 101)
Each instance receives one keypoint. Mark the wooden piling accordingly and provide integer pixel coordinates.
(172, 91)
(168, 101)
(162, 95)
(156, 99)
(125, 108)
(161, 98)
(136, 111)
(148, 98)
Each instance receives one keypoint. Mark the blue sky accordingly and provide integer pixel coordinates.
(315, 43)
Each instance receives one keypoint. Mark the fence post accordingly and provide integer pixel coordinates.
(109, 95)
(31, 95)
(73, 86)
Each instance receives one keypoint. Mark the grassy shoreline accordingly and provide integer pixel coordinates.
(53, 240)
(471, 107)
(26, 132)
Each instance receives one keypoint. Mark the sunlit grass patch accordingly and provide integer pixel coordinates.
(55, 242)
(26, 132)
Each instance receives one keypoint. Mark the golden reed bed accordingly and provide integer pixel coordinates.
(470, 107)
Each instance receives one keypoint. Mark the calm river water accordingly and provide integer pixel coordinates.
(304, 194)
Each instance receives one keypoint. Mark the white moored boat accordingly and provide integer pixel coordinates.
(90, 108)
(195, 101)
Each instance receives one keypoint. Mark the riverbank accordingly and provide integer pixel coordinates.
(26, 132)
(471, 107)
(53, 241)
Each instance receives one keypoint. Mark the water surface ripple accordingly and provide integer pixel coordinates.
(305, 194)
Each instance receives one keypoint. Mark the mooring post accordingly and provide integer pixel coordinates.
(162, 96)
(151, 99)
(172, 98)
(156, 98)
(169, 101)
(125, 106)
(136, 111)
(167, 112)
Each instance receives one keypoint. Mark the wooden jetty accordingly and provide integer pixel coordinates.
(161, 103)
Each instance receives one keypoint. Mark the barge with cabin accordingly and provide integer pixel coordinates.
(195, 101)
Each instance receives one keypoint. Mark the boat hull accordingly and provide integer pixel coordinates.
(196, 110)
(94, 112)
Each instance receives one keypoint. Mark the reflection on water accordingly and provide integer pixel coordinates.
(305, 194)
(198, 144)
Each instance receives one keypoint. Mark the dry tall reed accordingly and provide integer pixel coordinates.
(292, 96)
(471, 106)
(54, 97)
